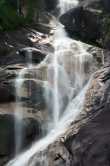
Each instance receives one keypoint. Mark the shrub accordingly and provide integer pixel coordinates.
(9, 17)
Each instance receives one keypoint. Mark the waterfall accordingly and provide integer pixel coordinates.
(18, 113)
(67, 82)
(19, 83)
(65, 5)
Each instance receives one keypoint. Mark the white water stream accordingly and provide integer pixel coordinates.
(67, 80)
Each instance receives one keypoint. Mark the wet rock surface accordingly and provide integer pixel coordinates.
(87, 142)
(13, 59)
(14, 47)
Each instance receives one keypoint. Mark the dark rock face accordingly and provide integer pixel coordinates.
(82, 23)
(106, 4)
(7, 83)
(71, 17)
(31, 131)
(50, 5)
(91, 146)
(89, 22)
(6, 131)
(7, 91)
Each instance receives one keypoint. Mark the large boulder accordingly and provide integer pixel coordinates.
(78, 23)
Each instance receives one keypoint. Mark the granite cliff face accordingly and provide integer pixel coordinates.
(86, 143)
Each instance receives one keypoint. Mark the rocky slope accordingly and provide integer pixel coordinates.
(13, 58)
(87, 140)
(13, 53)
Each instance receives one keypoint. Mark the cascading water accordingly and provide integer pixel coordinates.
(19, 107)
(67, 78)
(18, 114)
(65, 5)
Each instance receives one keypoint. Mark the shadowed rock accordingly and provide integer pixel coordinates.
(31, 132)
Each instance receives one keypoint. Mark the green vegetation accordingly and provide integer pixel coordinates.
(9, 17)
